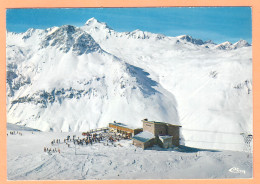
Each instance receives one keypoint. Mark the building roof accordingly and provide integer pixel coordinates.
(121, 125)
(165, 136)
(161, 123)
(144, 136)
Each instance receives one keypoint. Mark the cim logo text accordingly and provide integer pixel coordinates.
(236, 170)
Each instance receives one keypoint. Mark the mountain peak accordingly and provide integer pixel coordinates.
(226, 43)
(241, 43)
(68, 37)
(91, 21)
(188, 38)
(229, 45)
(139, 34)
(96, 24)
(224, 46)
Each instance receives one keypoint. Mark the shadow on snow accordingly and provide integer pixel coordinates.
(181, 148)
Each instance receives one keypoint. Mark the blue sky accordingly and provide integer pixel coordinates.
(207, 23)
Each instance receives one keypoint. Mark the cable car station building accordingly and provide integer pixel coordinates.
(163, 134)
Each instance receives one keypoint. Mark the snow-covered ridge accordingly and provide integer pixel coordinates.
(229, 46)
(101, 31)
(188, 38)
(69, 37)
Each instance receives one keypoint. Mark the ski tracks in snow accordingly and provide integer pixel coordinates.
(42, 167)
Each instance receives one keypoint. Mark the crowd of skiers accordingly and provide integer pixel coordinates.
(15, 133)
(53, 142)
(88, 139)
(48, 150)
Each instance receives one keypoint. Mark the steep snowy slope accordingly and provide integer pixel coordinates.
(67, 82)
(212, 83)
(74, 79)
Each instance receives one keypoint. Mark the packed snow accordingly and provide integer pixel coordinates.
(26, 160)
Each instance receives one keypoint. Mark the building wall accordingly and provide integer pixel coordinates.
(148, 126)
(137, 131)
(166, 143)
(176, 142)
(143, 145)
(148, 144)
(138, 143)
(174, 131)
(121, 128)
(160, 129)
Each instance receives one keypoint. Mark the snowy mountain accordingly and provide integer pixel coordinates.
(101, 31)
(78, 78)
(69, 38)
(228, 45)
(71, 84)
(188, 38)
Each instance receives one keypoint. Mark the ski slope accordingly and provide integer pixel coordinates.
(26, 160)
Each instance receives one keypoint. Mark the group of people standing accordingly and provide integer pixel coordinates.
(52, 150)
(15, 133)
(48, 150)
(53, 141)
(89, 139)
